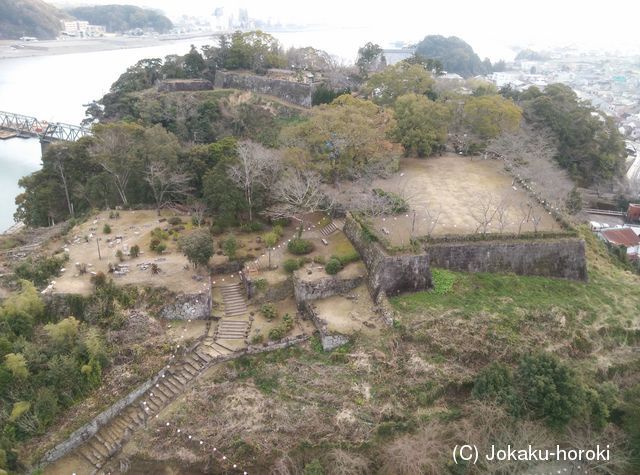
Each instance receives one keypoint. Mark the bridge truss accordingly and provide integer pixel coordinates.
(25, 126)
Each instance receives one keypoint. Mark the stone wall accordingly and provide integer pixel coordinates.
(388, 273)
(306, 290)
(88, 430)
(564, 258)
(329, 340)
(188, 307)
(273, 293)
(293, 92)
(175, 85)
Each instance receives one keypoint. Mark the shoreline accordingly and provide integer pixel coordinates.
(91, 45)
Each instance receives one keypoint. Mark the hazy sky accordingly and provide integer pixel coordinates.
(611, 24)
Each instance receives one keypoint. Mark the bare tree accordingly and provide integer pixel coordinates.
(167, 184)
(530, 155)
(502, 213)
(432, 220)
(298, 191)
(257, 168)
(198, 210)
(484, 212)
(525, 214)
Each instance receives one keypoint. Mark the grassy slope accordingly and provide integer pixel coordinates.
(399, 403)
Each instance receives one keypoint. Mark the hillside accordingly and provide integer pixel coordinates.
(456, 55)
(122, 18)
(28, 18)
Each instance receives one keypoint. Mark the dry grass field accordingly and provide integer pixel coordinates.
(449, 194)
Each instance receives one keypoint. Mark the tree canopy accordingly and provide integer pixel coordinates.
(456, 55)
(387, 85)
(589, 144)
(122, 18)
(29, 18)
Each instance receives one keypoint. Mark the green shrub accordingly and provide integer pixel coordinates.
(278, 230)
(99, 279)
(291, 265)
(282, 222)
(333, 266)
(348, 258)
(396, 202)
(300, 246)
(197, 247)
(257, 339)
(261, 284)
(443, 281)
(550, 389)
(319, 260)
(134, 251)
(276, 333)
(230, 247)
(106, 229)
(39, 271)
(495, 382)
(160, 234)
(217, 229)
(157, 246)
(252, 227)
(269, 311)
(175, 220)
(120, 255)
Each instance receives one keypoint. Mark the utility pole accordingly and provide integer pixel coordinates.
(413, 225)
(98, 243)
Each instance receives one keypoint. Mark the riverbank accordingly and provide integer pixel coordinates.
(10, 49)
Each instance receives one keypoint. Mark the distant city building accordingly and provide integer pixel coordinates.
(82, 29)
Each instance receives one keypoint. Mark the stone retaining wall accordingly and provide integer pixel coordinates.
(293, 92)
(188, 307)
(388, 273)
(564, 258)
(305, 290)
(88, 430)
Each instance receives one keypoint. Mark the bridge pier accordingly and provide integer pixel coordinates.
(44, 145)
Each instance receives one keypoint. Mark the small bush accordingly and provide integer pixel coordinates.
(175, 220)
(269, 311)
(120, 255)
(300, 246)
(276, 333)
(396, 202)
(443, 281)
(230, 247)
(319, 260)
(160, 234)
(106, 229)
(257, 339)
(252, 227)
(348, 258)
(99, 279)
(134, 251)
(261, 284)
(282, 222)
(217, 229)
(291, 265)
(333, 266)
(278, 230)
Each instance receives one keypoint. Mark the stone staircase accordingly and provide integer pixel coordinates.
(111, 437)
(231, 329)
(234, 300)
(329, 229)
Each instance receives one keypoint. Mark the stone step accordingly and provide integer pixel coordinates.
(228, 321)
(158, 395)
(165, 390)
(189, 369)
(105, 441)
(226, 348)
(175, 385)
(121, 424)
(97, 448)
(90, 456)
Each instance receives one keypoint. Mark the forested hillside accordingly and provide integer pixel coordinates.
(28, 18)
(122, 18)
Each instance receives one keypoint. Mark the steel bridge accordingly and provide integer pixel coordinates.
(17, 125)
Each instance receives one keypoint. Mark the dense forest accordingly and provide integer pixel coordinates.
(29, 18)
(122, 18)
